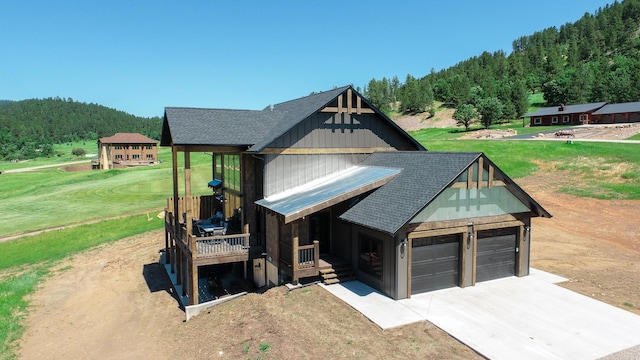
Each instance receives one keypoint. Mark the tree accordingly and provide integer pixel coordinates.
(490, 110)
(465, 114)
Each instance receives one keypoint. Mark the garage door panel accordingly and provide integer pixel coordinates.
(434, 267)
(496, 257)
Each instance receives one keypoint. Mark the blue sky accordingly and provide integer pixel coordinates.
(140, 56)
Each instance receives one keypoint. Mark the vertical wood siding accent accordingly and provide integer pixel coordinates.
(326, 130)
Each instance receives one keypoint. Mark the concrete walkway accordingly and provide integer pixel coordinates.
(510, 318)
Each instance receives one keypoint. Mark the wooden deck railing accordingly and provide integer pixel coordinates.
(307, 255)
(306, 261)
(236, 244)
(233, 245)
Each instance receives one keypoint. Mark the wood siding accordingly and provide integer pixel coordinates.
(327, 130)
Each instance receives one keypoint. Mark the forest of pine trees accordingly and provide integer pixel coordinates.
(29, 128)
(594, 59)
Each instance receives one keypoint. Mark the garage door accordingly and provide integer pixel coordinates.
(435, 263)
(496, 256)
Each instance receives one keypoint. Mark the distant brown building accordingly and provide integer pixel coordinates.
(126, 149)
(580, 114)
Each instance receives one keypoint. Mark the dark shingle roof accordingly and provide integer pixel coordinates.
(255, 129)
(629, 107)
(424, 175)
(568, 109)
(252, 128)
(293, 112)
(192, 126)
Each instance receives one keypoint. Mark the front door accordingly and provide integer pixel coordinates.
(320, 229)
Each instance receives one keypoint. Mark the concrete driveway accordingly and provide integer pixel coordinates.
(510, 318)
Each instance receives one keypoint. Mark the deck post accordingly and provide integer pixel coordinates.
(176, 215)
(167, 256)
(178, 265)
(316, 254)
(294, 246)
(187, 192)
(193, 282)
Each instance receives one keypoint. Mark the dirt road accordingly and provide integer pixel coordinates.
(32, 168)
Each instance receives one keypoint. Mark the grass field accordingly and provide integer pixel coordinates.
(51, 197)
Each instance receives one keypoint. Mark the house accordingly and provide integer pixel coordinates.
(580, 114)
(617, 113)
(124, 150)
(328, 187)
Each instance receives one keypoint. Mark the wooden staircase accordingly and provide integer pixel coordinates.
(335, 271)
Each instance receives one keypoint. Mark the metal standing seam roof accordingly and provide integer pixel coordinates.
(423, 177)
(322, 193)
(568, 109)
(629, 107)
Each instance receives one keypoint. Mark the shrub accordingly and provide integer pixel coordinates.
(78, 152)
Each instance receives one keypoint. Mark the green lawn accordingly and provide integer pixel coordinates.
(51, 197)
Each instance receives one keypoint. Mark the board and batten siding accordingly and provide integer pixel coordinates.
(328, 130)
(284, 172)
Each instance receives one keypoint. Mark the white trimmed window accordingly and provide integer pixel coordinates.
(554, 120)
(584, 118)
(537, 121)
(565, 119)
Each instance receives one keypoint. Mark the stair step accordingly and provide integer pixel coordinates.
(329, 276)
(332, 281)
(327, 271)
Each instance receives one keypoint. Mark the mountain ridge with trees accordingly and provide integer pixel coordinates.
(593, 59)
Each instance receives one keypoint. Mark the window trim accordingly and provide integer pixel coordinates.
(537, 121)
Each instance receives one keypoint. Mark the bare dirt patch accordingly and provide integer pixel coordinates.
(602, 132)
(115, 302)
(73, 168)
(442, 119)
